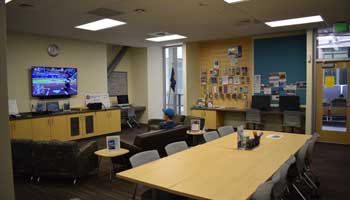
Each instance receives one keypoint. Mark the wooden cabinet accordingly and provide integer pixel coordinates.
(108, 122)
(21, 129)
(67, 127)
(60, 128)
(213, 119)
(41, 128)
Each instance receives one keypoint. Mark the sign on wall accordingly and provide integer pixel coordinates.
(118, 84)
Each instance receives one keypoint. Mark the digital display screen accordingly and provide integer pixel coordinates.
(54, 81)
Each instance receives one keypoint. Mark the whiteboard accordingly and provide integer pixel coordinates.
(118, 83)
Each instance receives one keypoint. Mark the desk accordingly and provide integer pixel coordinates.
(216, 117)
(124, 111)
(217, 170)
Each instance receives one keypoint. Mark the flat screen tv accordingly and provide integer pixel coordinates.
(54, 81)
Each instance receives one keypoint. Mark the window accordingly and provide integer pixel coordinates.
(173, 78)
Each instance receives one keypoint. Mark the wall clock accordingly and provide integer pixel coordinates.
(53, 50)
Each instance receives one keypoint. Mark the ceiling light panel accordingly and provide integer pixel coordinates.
(7, 1)
(295, 21)
(234, 1)
(166, 38)
(101, 24)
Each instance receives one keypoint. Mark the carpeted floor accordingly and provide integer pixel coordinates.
(331, 163)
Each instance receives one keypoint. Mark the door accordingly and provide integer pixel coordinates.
(102, 121)
(60, 128)
(333, 111)
(21, 129)
(41, 128)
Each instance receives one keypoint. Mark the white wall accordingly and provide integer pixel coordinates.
(6, 186)
(155, 81)
(26, 50)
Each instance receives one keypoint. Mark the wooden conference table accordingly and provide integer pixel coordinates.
(217, 170)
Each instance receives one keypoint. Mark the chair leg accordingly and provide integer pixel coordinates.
(298, 191)
(135, 191)
(311, 182)
(307, 183)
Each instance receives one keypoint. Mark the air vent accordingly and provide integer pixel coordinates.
(246, 21)
(105, 12)
(159, 34)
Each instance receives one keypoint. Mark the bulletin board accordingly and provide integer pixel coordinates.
(118, 84)
(226, 72)
(280, 67)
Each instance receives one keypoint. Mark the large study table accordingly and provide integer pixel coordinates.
(218, 170)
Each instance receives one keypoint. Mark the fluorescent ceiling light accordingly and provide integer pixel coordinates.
(234, 1)
(295, 21)
(7, 1)
(101, 24)
(166, 38)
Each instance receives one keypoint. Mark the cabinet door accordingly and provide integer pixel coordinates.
(197, 113)
(60, 128)
(88, 123)
(41, 128)
(21, 129)
(74, 124)
(211, 119)
(114, 121)
(102, 122)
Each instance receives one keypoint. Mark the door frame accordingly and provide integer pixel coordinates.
(331, 136)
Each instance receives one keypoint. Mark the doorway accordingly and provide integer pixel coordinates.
(333, 101)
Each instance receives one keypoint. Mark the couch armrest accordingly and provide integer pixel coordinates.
(86, 159)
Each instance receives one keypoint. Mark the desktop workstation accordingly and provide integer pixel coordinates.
(243, 89)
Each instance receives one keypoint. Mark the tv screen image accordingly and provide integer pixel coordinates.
(54, 81)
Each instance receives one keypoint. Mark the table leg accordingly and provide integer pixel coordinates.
(154, 194)
(110, 170)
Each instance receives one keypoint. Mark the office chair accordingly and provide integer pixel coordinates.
(210, 136)
(282, 185)
(264, 191)
(291, 119)
(132, 123)
(225, 130)
(175, 147)
(140, 159)
(253, 116)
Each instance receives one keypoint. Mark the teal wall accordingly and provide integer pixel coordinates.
(282, 54)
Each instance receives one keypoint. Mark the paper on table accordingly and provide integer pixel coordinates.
(13, 109)
(274, 136)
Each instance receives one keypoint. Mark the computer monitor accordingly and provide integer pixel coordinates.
(123, 99)
(261, 102)
(289, 103)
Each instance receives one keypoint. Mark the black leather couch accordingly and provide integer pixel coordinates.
(54, 158)
(156, 139)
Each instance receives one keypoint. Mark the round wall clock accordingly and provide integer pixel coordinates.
(53, 50)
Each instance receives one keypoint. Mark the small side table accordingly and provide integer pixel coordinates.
(195, 134)
(104, 153)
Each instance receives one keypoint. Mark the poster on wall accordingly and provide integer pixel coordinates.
(275, 97)
(282, 79)
(274, 79)
(257, 83)
(98, 98)
(267, 90)
(290, 90)
(300, 84)
(216, 64)
(235, 52)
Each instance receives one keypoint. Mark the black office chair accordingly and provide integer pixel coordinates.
(132, 123)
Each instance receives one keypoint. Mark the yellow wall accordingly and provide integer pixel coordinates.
(192, 74)
(26, 50)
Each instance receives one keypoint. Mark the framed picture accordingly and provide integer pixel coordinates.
(195, 125)
(113, 143)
